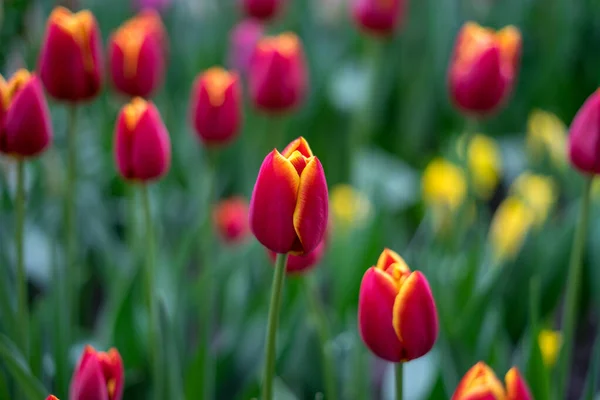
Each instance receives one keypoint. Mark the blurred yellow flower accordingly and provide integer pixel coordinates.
(546, 135)
(511, 223)
(550, 343)
(443, 185)
(485, 165)
(349, 207)
(538, 192)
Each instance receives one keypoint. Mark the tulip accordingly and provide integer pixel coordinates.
(584, 136)
(242, 40)
(231, 219)
(480, 383)
(546, 136)
(142, 146)
(277, 75)
(350, 208)
(98, 376)
(289, 205)
(539, 194)
(216, 106)
(300, 264)
(379, 17)
(484, 163)
(25, 129)
(443, 185)
(484, 67)
(262, 9)
(136, 55)
(70, 63)
(51, 397)
(510, 225)
(550, 342)
(397, 316)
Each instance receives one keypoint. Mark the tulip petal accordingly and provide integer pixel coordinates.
(273, 203)
(311, 213)
(88, 381)
(151, 147)
(584, 136)
(415, 316)
(300, 145)
(516, 388)
(479, 383)
(387, 258)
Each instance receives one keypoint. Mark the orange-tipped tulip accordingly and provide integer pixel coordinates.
(216, 106)
(484, 68)
(397, 316)
(51, 397)
(231, 219)
(25, 129)
(142, 145)
(289, 205)
(262, 9)
(277, 76)
(480, 383)
(379, 17)
(584, 136)
(98, 376)
(70, 63)
(297, 265)
(136, 55)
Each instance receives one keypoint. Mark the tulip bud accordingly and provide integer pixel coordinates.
(142, 146)
(484, 67)
(516, 387)
(98, 376)
(397, 316)
(216, 106)
(242, 41)
(278, 76)
(136, 55)
(379, 17)
(300, 264)
(262, 9)
(51, 397)
(480, 383)
(231, 219)
(70, 62)
(584, 136)
(25, 129)
(289, 205)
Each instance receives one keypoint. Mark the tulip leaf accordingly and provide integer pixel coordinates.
(170, 354)
(535, 371)
(591, 385)
(17, 367)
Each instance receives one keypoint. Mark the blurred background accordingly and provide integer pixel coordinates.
(377, 114)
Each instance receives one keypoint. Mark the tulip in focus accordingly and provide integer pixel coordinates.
(262, 9)
(301, 264)
(136, 55)
(242, 41)
(480, 383)
(510, 225)
(379, 17)
(397, 316)
(142, 145)
(70, 63)
(546, 137)
(550, 342)
(216, 106)
(483, 68)
(289, 205)
(278, 76)
(584, 136)
(98, 376)
(484, 164)
(538, 192)
(231, 219)
(25, 128)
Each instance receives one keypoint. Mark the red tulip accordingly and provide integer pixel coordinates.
(484, 68)
(242, 41)
(231, 219)
(216, 106)
(25, 129)
(51, 397)
(262, 9)
(137, 55)
(584, 136)
(142, 146)
(379, 17)
(397, 316)
(289, 205)
(300, 264)
(98, 376)
(278, 76)
(516, 387)
(480, 383)
(70, 61)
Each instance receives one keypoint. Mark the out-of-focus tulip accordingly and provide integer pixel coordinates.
(484, 164)
(349, 207)
(242, 41)
(136, 55)
(511, 223)
(25, 129)
(51, 397)
(443, 184)
(546, 136)
(550, 342)
(216, 106)
(142, 145)
(230, 216)
(480, 383)
(262, 9)
(538, 192)
(289, 205)
(158, 5)
(277, 76)
(584, 136)
(300, 264)
(483, 68)
(380, 17)
(98, 376)
(70, 63)
(397, 316)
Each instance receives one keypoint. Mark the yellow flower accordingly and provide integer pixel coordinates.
(485, 165)
(538, 192)
(349, 207)
(443, 185)
(550, 343)
(546, 135)
(511, 223)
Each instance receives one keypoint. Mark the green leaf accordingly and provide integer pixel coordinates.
(591, 385)
(535, 371)
(17, 367)
(170, 356)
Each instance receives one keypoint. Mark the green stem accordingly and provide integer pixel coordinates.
(23, 312)
(573, 288)
(72, 274)
(320, 318)
(270, 346)
(399, 377)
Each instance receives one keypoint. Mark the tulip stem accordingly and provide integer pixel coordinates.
(274, 306)
(398, 367)
(23, 330)
(573, 288)
(72, 272)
